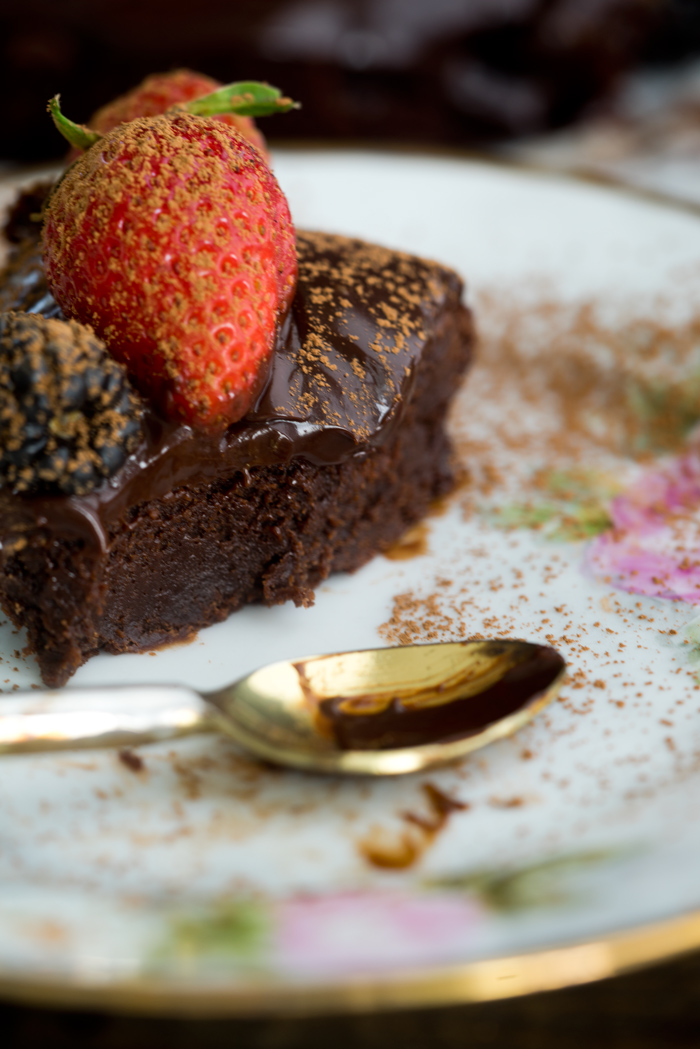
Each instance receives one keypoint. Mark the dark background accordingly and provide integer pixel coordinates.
(433, 71)
(652, 1009)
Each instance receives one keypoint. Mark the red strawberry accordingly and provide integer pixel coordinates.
(171, 237)
(160, 92)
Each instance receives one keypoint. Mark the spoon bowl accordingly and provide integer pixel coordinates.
(377, 712)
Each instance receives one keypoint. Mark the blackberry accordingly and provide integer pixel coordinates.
(23, 221)
(68, 416)
(23, 283)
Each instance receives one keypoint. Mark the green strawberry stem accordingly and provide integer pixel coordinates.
(77, 134)
(248, 98)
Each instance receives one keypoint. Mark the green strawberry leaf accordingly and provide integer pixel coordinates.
(77, 134)
(248, 98)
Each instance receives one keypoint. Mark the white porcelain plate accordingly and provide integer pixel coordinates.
(192, 877)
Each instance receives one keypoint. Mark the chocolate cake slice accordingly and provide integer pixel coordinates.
(345, 448)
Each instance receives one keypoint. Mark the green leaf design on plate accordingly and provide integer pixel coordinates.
(665, 413)
(690, 632)
(542, 884)
(583, 522)
(578, 484)
(574, 506)
(237, 929)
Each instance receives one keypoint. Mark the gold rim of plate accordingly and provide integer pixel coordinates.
(490, 979)
(479, 981)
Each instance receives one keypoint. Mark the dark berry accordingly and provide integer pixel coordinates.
(23, 284)
(24, 218)
(68, 417)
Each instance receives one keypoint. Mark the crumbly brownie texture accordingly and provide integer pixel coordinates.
(314, 481)
(184, 562)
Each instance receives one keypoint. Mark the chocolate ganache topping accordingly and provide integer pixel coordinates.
(343, 369)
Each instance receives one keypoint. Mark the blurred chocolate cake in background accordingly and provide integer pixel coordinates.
(432, 71)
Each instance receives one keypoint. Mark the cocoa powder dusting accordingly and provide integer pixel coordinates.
(377, 305)
(556, 390)
(567, 408)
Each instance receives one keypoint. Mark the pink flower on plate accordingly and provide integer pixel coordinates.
(354, 932)
(654, 545)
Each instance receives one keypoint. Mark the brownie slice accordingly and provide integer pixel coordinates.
(345, 449)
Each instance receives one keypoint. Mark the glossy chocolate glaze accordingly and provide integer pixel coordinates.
(343, 370)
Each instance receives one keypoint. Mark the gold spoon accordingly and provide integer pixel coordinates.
(379, 712)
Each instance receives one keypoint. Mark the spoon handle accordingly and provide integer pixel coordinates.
(99, 717)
